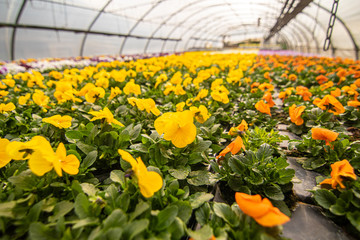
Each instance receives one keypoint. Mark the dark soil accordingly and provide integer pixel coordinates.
(355, 133)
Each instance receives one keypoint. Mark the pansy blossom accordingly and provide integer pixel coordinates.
(340, 171)
(261, 210)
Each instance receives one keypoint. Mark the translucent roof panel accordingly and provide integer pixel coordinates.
(5, 38)
(58, 28)
(34, 43)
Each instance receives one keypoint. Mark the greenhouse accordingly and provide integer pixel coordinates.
(192, 119)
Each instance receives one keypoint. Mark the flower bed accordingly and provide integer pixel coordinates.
(138, 149)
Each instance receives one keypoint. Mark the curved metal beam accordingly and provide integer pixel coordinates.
(356, 47)
(13, 36)
(171, 16)
(190, 28)
(268, 28)
(308, 30)
(91, 25)
(214, 30)
(200, 30)
(287, 17)
(137, 23)
(181, 23)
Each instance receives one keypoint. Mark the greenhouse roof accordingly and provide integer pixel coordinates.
(65, 28)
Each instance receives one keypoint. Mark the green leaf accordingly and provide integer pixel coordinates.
(61, 209)
(354, 218)
(6, 209)
(205, 233)
(85, 148)
(338, 209)
(224, 211)
(140, 208)
(286, 175)
(117, 176)
(89, 189)
(82, 206)
(202, 146)
(114, 233)
(180, 172)
(264, 152)
(315, 151)
(281, 205)
(215, 128)
(124, 136)
(324, 198)
(184, 210)
(115, 219)
(140, 147)
(26, 180)
(34, 212)
(89, 159)
(237, 184)
(254, 178)
(134, 228)
(73, 134)
(237, 166)
(39, 231)
(135, 132)
(176, 229)
(199, 198)
(166, 217)
(202, 177)
(202, 214)
(274, 192)
(90, 221)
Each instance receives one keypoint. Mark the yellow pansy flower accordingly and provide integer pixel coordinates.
(114, 92)
(59, 121)
(132, 87)
(3, 93)
(149, 181)
(145, 104)
(180, 106)
(67, 163)
(102, 82)
(201, 114)
(105, 114)
(94, 94)
(202, 94)
(177, 127)
(41, 156)
(4, 157)
(40, 98)
(23, 99)
(8, 107)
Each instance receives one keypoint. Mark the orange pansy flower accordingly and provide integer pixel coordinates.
(261, 210)
(243, 126)
(292, 77)
(268, 86)
(336, 92)
(353, 103)
(295, 114)
(326, 85)
(304, 92)
(261, 106)
(323, 134)
(340, 170)
(357, 81)
(234, 147)
(321, 79)
(331, 104)
(268, 98)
